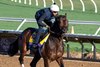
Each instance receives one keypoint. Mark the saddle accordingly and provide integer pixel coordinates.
(42, 40)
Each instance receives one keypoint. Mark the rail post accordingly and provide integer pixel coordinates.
(68, 51)
(82, 47)
(94, 50)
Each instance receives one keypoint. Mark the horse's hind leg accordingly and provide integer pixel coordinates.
(22, 54)
(36, 59)
(60, 62)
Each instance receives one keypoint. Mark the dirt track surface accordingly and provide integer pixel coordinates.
(6, 61)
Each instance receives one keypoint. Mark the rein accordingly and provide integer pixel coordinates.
(55, 34)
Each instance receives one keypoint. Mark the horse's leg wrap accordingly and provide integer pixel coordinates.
(22, 65)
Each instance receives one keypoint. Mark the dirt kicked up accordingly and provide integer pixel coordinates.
(6, 61)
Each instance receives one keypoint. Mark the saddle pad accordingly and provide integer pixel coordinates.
(44, 39)
(31, 40)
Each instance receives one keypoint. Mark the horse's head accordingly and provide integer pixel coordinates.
(61, 23)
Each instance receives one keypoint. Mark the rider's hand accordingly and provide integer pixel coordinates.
(47, 26)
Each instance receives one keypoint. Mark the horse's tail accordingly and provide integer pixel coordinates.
(13, 49)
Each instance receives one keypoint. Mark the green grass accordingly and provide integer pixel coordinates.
(12, 9)
(8, 25)
(15, 10)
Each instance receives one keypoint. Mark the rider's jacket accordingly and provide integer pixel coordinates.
(44, 15)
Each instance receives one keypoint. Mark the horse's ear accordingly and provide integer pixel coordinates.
(56, 18)
(66, 14)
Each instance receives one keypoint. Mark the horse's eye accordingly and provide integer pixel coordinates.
(64, 22)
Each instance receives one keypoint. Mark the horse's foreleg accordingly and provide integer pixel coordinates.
(60, 62)
(36, 59)
(46, 62)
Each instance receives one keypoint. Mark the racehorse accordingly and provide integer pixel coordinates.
(51, 50)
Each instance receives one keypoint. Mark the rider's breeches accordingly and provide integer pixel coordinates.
(40, 30)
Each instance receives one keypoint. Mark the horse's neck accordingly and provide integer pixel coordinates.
(56, 36)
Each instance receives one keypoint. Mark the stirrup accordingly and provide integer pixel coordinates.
(35, 45)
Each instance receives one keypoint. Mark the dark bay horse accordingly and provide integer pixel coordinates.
(52, 49)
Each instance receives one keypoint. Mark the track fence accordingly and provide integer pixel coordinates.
(7, 37)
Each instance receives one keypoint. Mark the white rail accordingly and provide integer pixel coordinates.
(25, 2)
(83, 6)
(33, 20)
(94, 5)
(30, 2)
(12, 0)
(72, 6)
(15, 0)
(53, 1)
(44, 3)
(97, 31)
(21, 25)
(20, 1)
(61, 4)
(36, 2)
